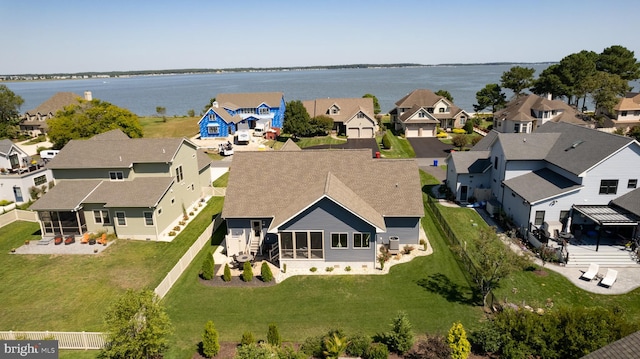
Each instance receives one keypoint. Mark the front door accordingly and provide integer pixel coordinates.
(256, 228)
(17, 193)
(463, 193)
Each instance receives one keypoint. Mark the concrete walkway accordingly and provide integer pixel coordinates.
(32, 150)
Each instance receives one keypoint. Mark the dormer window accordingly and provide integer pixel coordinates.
(441, 110)
(334, 110)
(430, 109)
(263, 110)
(360, 115)
(116, 175)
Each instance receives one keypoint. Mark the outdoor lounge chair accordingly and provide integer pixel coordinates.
(58, 239)
(85, 238)
(609, 278)
(591, 272)
(70, 239)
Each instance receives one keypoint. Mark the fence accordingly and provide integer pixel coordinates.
(163, 288)
(18, 215)
(66, 340)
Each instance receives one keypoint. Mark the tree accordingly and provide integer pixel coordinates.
(273, 335)
(634, 132)
(618, 60)
(575, 71)
(207, 267)
(161, 111)
(89, 118)
(138, 327)
(227, 273)
(247, 272)
(493, 262)
(296, 119)
(376, 104)
(209, 105)
(400, 338)
(320, 125)
(458, 342)
(265, 272)
(490, 96)
(517, 79)
(460, 141)
(210, 344)
(607, 88)
(444, 93)
(191, 113)
(549, 82)
(9, 111)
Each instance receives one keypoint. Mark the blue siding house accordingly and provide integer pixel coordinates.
(318, 208)
(243, 111)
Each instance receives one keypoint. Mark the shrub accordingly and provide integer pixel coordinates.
(423, 243)
(210, 345)
(468, 127)
(329, 269)
(442, 135)
(347, 269)
(460, 141)
(335, 345)
(247, 338)
(207, 266)
(432, 347)
(475, 140)
(5, 202)
(313, 269)
(247, 272)
(386, 142)
(457, 339)
(377, 351)
(313, 346)
(400, 338)
(273, 335)
(459, 131)
(172, 233)
(176, 228)
(357, 345)
(227, 273)
(254, 351)
(182, 223)
(407, 249)
(191, 214)
(265, 272)
(487, 338)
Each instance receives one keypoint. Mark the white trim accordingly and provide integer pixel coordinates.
(116, 219)
(153, 222)
(339, 233)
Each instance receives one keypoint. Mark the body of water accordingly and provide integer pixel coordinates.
(180, 93)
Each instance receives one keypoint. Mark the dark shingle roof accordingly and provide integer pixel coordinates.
(471, 162)
(519, 109)
(143, 192)
(629, 202)
(65, 196)
(541, 184)
(625, 348)
(527, 146)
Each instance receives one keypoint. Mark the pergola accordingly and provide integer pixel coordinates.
(606, 216)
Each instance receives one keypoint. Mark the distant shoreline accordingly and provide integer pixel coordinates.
(117, 74)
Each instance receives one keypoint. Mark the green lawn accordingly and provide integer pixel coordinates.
(71, 293)
(400, 147)
(222, 180)
(156, 127)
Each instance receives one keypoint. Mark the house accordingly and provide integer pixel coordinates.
(34, 122)
(243, 111)
(321, 207)
(421, 112)
(353, 117)
(625, 348)
(627, 111)
(18, 174)
(525, 113)
(136, 188)
(557, 178)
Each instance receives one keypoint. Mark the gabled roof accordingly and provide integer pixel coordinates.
(112, 135)
(471, 162)
(527, 146)
(541, 184)
(223, 114)
(629, 202)
(203, 159)
(578, 148)
(108, 152)
(249, 100)
(520, 110)
(421, 97)
(65, 196)
(290, 146)
(349, 107)
(143, 192)
(412, 115)
(630, 102)
(625, 348)
(6, 145)
(298, 179)
(55, 103)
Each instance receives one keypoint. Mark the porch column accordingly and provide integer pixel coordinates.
(598, 238)
(78, 221)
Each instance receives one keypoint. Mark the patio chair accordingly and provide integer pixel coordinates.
(591, 272)
(103, 239)
(70, 239)
(85, 238)
(58, 239)
(609, 278)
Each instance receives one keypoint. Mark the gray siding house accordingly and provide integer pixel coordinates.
(321, 207)
(135, 188)
(553, 179)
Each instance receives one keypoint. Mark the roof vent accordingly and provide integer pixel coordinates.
(574, 145)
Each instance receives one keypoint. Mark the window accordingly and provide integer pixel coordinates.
(495, 162)
(264, 110)
(463, 120)
(441, 110)
(335, 111)
(361, 240)
(301, 245)
(116, 176)
(430, 109)
(339, 240)
(148, 218)
(121, 219)
(101, 216)
(623, 113)
(213, 129)
(633, 183)
(316, 244)
(179, 176)
(422, 114)
(539, 218)
(516, 127)
(40, 180)
(212, 117)
(564, 216)
(360, 115)
(286, 244)
(608, 186)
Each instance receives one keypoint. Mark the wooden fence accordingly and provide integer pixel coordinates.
(66, 340)
(163, 288)
(18, 215)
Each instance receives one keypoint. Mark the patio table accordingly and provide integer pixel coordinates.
(242, 258)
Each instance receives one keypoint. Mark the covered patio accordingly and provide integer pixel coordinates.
(604, 224)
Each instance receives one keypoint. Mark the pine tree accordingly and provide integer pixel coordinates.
(247, 273)
(210, 345)
(265, 272)
(227, 273)
(208, 266)
(273, 336)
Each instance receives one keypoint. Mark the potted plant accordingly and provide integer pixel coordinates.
(26, 242)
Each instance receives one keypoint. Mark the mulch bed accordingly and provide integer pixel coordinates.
(236, 281)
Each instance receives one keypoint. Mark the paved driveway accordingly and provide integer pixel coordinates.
(353, 144)
(429, 147)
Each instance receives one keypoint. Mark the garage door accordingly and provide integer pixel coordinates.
(366, 132)
(353, 133)
(411, 133)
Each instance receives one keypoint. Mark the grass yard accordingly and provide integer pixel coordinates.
(156, 127)
(72, 293)
(400, 147)
(222, 181)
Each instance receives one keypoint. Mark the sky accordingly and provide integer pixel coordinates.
(69, 36)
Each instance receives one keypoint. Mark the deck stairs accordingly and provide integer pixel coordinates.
(254, 246)
(606, 256)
